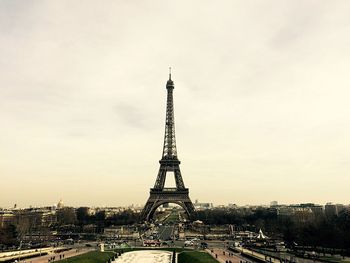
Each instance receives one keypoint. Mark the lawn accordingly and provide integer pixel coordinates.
(90, 257)
(195, 257)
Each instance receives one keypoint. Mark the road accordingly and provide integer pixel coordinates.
(165, 232)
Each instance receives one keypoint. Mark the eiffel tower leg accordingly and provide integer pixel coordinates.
(146, 210)
(190, 207)
(160, 182)
(178, 178)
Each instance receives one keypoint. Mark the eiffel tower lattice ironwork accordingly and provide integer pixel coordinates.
(160, 195)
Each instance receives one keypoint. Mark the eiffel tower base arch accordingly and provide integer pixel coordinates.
(167, 195)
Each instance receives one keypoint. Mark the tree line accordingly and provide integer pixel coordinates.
(322, 231)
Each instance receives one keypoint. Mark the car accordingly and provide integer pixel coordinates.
(204, 245)
(188, 243)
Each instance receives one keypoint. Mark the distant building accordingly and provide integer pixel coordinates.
(201, 206)
(285, 211)
(333, 209)
(301, 212)
(340, 208)
(60, 204)
(37, 217)
(273, 203)
(317, 210)
(6, 218)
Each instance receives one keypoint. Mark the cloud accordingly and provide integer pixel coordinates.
(131, 115)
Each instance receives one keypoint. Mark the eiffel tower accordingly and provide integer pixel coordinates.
(160, 195)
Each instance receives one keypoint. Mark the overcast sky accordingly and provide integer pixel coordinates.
(261, 100)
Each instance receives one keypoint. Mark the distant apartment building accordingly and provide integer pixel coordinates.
(330, 210)
(284, 211)
(201, 206)
(340, 208)
(301, 212)
(317, 210)
(6, 218)
(333, 209)
(36, 217)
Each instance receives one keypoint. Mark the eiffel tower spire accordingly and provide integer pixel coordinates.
(169, 163)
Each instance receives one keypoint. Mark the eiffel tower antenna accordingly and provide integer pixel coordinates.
(169, 162)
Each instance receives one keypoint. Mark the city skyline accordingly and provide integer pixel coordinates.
(261, 100)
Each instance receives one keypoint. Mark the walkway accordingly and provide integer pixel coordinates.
(224, 256)
(56, 256)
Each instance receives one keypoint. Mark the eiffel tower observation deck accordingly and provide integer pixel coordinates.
(169, 162)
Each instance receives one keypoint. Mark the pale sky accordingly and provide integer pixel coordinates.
(262, 94)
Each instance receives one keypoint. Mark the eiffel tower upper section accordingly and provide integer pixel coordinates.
(169, 161)
(169, 148)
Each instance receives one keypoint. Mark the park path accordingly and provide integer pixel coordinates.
(66, 254)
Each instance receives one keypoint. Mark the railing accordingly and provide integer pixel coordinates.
(169, 190)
